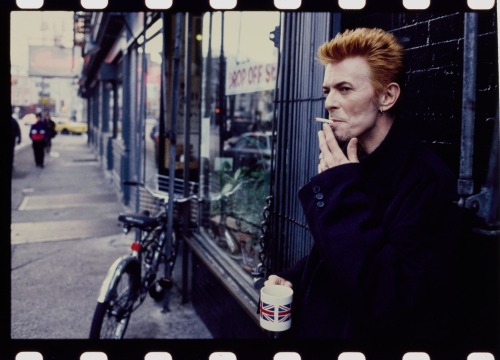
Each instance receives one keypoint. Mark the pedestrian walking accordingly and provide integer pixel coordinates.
(38, 135)
(380, 210)
(51, 131)
(15, 135)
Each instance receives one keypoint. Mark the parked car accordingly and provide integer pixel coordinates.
(66, 126)
(250, 149)
(240, 123)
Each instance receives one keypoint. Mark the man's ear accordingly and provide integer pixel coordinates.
(389, 96)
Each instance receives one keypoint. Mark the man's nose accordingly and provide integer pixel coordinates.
(331, 101)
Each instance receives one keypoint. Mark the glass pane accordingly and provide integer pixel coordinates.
(153, 47)
(239, 79)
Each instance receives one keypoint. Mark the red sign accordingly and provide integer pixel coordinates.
(250, 77)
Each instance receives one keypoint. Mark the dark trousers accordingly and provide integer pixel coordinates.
(39, 151)
(48, 146)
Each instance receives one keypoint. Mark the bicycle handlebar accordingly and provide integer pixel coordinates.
(186, 199)
(164, 195)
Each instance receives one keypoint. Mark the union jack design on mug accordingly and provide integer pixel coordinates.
(284, 312)
(266, 311)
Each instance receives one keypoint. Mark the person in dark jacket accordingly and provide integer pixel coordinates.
(15, 135)
(51, 131)
(381, 210)
(38, 136)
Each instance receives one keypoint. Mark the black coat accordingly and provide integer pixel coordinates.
(385, 240)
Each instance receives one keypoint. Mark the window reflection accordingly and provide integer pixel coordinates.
(240, 64)
(153, 49)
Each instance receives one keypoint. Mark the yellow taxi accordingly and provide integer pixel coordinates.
(66, 126)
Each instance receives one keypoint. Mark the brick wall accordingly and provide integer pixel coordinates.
(434, 55)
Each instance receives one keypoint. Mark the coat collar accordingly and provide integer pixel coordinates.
(385, 164)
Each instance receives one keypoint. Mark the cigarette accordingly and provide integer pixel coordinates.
(326, 121)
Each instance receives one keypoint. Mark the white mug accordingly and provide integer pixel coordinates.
(276, 307)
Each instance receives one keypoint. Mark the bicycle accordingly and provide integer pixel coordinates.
(131, 277)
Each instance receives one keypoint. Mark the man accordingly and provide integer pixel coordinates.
(380, 210)
(38, 135)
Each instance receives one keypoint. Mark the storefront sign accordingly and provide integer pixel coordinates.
(50, 61)
(250, 77)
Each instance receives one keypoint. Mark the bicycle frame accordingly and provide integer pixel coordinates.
(135, 257)
(131, 277)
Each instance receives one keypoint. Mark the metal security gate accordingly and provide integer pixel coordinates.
(299, 99)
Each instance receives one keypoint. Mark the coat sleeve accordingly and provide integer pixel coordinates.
(387, 268)
(294, 274)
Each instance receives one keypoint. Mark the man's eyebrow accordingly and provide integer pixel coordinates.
(336, 85)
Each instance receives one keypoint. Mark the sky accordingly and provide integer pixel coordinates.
(243, 40)
(37, 28)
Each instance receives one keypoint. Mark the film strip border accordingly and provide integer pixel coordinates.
(231, 350)
(236, 350)
(252, 5)
(228, 355)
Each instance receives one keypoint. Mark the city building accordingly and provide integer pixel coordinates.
(44, 67)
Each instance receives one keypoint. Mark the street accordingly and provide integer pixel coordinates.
(64, 237)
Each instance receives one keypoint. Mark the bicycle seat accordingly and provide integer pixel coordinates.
(140, 221)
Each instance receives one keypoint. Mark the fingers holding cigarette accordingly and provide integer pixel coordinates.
(326, 121)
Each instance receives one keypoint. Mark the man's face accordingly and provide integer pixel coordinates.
(350, 99)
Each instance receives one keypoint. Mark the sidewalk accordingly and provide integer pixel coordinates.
(64, 237)
(69, 199)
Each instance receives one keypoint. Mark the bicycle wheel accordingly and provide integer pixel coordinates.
(112, 316)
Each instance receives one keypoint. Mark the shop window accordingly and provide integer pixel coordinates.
(153, 63)
(118, 98)
(239, 79)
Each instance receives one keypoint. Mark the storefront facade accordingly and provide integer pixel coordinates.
(230, 98)
(141, 119)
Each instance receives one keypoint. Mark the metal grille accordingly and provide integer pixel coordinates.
(179, 184)
(155, 194)
(299, 99)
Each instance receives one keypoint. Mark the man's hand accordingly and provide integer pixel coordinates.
(276, 280)
(331, 154)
